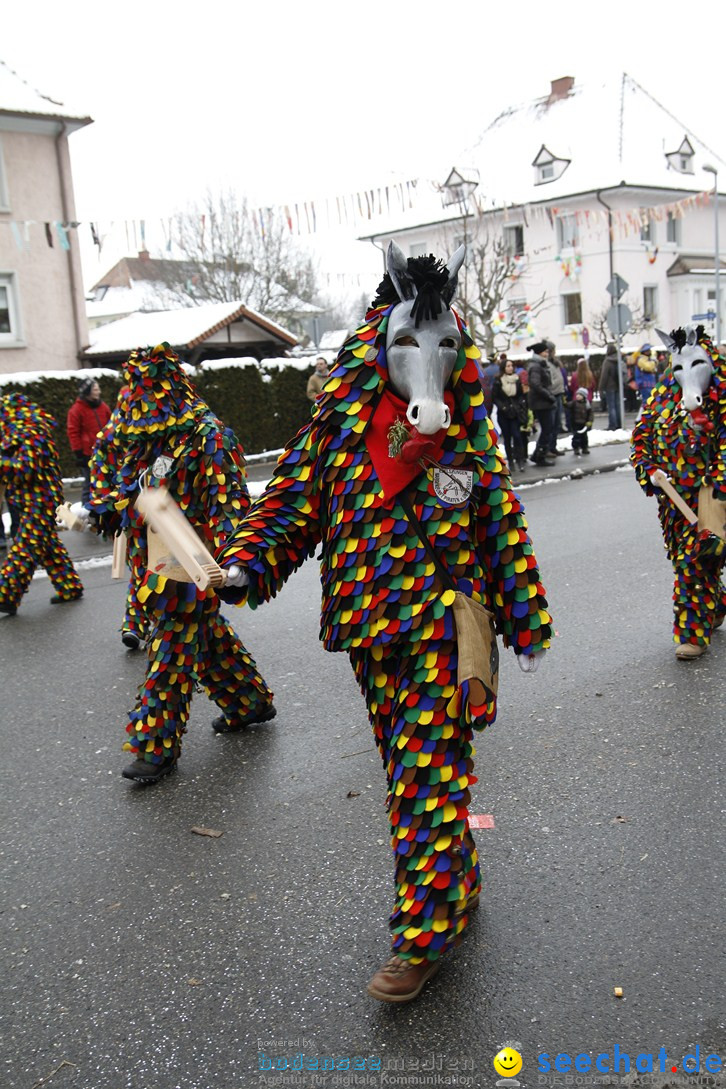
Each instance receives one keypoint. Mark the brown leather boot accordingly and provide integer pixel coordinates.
(688, 651)
(400, 981)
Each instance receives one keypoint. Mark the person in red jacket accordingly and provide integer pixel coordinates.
(86, 417)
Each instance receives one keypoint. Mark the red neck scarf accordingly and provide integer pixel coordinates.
(397, 473)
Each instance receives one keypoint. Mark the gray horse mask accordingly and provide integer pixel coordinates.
(422, 341)
(691, 364)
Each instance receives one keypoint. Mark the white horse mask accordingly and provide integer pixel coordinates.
(422, 343)
(691, 364)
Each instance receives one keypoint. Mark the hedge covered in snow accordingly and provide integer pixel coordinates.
(263, 402)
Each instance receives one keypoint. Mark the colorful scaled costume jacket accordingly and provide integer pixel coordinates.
(162, 432)
(665, 438)
(30, 469)
(383, 602)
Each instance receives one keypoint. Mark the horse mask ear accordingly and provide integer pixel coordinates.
(397, 266)
(452, 267)
(667, 340)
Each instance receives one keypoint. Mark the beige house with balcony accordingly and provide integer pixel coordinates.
(42, 309)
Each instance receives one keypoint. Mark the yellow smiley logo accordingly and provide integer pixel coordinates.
(508, 1062)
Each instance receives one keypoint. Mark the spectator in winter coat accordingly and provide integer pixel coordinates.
(645, 373)
(511, 402)
(582, 378)
(86, 417)
(317, 379)
(610, 387)
(489, 375)
(541, 401)
(558, 375)
(582, 417)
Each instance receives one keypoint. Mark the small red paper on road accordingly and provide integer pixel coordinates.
(481, 820)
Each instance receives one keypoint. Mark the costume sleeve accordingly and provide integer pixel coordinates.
(281, 529)
(641, 447)
(516, 592)
(73, 426)
(105, 491)
(214, 487)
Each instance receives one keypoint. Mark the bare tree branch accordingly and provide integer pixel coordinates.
(230, 252)
(492, 287)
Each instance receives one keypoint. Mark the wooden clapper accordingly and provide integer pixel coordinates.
(70, 520)
(175, 551)
(711, 515)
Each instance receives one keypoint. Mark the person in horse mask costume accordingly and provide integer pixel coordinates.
(682, 431)
(398, 475)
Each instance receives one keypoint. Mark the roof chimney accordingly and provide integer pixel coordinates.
(144, 255)
(560, 88)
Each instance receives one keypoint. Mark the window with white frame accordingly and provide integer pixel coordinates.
(571, 308)
(568, 234)
(514, 240)
(650, 302)
(647, 231)
(9, 318)
(420, 249)
(517, 311)
(673, 229)
(4, 195)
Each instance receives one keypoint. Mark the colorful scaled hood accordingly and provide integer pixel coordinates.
(19, 416)
(158, 396)
(360, 375)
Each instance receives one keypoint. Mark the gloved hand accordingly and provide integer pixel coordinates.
(83, 514)
(529, 663)
(237, 577)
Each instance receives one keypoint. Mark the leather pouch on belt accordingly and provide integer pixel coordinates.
(711, 512)
(477, 647)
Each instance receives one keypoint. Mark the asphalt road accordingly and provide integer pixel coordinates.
(138, 955)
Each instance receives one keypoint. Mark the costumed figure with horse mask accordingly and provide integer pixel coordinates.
(679, 454)
(424, 552)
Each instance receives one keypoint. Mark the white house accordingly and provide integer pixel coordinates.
(586, 181)
(42, 314)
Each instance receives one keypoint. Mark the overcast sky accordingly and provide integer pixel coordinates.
(290, 101)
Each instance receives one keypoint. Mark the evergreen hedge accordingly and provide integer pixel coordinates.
(264, 403)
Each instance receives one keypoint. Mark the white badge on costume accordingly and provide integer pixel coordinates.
(453, 486)
(162, 467)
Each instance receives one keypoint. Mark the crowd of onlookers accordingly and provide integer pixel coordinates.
(546, 399)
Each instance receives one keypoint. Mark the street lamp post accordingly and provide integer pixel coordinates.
(717, 259)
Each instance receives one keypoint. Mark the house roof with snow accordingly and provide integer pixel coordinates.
(152, 283)
(577, 139)
(217, 326)
(19, 99)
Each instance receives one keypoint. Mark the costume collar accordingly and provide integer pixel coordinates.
(397, 473)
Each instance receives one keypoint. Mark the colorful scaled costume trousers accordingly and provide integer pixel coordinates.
(699, 595)
(189, 643)
(135, 619)
(426, 746)
(36, 544)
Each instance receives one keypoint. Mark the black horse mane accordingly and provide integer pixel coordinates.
(680, 336)
(429, 277)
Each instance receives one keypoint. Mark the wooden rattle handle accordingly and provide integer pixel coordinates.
(663, 482)
(165, 517)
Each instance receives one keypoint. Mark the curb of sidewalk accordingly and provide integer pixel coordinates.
(577, 472)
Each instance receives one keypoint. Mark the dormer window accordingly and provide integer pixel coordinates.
(548, 167)
(682, 159)
(457, 189)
